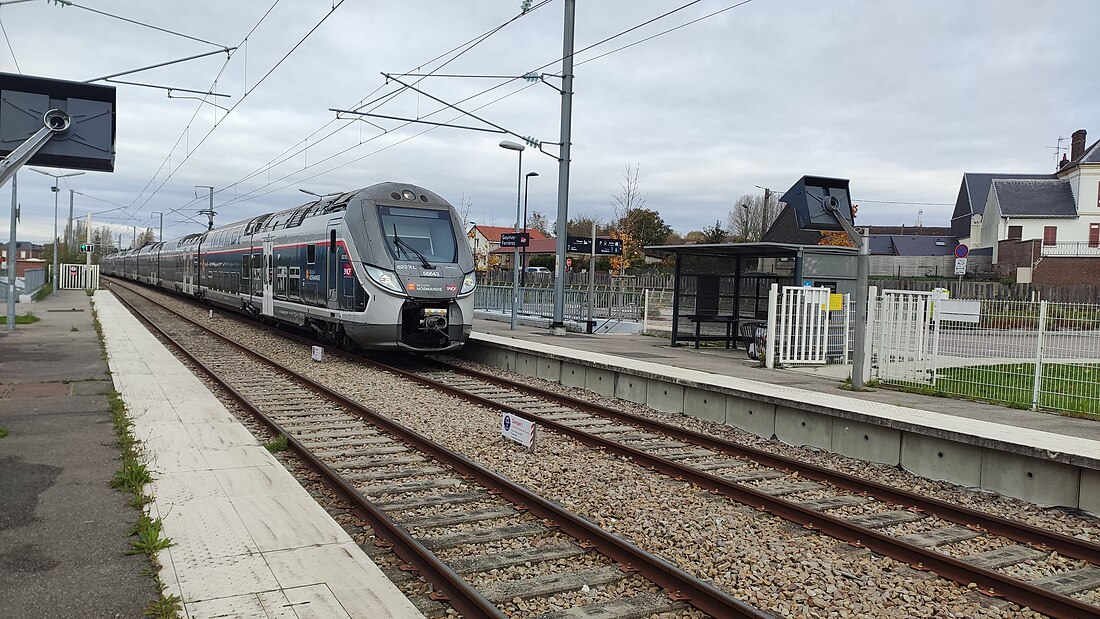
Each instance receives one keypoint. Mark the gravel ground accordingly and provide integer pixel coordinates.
(761, 559)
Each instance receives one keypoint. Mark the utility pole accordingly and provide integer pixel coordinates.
(557, 327)
(12, 252)
(70, 234)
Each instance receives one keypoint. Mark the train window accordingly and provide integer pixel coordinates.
(332, 241)
(429, 232)
(244, 266)
(280, 282)
(311, 254)
(295, 279)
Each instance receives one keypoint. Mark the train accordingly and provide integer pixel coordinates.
(383, 268)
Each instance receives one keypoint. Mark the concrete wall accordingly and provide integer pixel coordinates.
(962, 460)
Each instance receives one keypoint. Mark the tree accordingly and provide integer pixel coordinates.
(581, 225)
(629, 196)
(713, 235)
(145, 238)
(748, 219)
(465, 205)
(538, 221)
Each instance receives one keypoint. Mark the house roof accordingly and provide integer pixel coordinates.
(912, 245)
(1091, 155)
(1034, 198)
(493, 232)
(978, 183)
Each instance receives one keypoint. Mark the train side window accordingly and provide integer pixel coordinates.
(332, 241)
(245, 266)
(295, 279)
(311, 254)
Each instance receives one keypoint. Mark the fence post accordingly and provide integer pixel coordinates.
(645, 313)
(1037, 382)
(770, 337)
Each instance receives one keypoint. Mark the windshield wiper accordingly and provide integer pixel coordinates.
(401, 244)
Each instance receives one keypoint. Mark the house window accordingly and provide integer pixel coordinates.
(1094, 235)
(1050, 235)
(1015, 233)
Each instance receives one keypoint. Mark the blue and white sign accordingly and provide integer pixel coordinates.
(962, 250)
(518, 429)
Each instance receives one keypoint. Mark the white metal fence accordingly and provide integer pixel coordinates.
(78, 276)
(808, 326)
(1037, 355)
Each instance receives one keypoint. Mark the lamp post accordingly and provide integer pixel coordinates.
(509, 145)
(526, 183)
(55, 189)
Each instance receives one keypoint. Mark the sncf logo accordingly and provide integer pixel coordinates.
(452, 288)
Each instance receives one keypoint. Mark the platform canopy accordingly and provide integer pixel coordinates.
(720, 288)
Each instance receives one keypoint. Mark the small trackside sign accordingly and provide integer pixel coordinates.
(518, 429)
(318, 353)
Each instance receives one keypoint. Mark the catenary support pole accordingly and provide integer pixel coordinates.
(557, 327)
(859, 357)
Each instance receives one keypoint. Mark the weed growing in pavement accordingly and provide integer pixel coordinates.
(42, 293)
(3, 433)
(164, 607)
(148, 532)
(276, 444)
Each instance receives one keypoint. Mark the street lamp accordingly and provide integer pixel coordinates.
(55, 189)
(526, 182)
(509, 145)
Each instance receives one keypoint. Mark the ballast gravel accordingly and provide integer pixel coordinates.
(761, 559)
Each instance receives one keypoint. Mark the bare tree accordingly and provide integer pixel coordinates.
(629, 197)
(465, 205)
(749, 219)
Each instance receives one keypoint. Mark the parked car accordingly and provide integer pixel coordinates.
(537, 270)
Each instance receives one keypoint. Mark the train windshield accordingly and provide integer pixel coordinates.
(416, 234)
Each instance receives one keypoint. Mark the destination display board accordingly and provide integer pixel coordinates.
(604, 246)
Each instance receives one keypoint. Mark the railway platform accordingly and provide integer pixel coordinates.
(1044, 458)
(246, 539)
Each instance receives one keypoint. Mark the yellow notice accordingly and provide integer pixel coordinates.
(836, 302)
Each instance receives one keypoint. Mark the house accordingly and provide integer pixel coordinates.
(27, 256)
(1026, 219)
(484, 239)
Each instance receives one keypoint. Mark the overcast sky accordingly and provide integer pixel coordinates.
(900, 97)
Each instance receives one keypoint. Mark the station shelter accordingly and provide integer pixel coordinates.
(720, 291)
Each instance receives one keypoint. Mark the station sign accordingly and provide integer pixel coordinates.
(515, 239)
(604, 246)
(960, 266)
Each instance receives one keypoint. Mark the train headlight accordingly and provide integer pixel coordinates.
(385, 279)
(468, 283)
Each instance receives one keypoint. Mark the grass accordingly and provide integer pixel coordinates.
(4, 433)
(43, 292)
(276, 444)
(21, 319)
(1069, 389)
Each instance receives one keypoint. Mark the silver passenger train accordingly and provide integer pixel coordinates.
(382, 268)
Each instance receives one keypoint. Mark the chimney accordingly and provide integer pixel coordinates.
(1077, 146)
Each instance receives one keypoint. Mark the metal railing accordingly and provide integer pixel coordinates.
(1072, 249)
(619, 304)
(29, 283)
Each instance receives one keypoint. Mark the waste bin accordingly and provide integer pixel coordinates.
(753, 335)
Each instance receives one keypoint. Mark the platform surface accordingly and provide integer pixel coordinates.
(247, 539)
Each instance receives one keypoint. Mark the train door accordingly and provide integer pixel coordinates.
(188, 273)
(268, 305)
(332, 277)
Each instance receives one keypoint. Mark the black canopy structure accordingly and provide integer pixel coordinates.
(719, 288)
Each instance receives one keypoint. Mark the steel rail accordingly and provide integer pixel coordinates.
(680, 585)
(988, 581)
(1063, 544)
(457, 592)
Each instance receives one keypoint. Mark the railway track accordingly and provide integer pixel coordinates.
(461, 526)
(984, 549)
